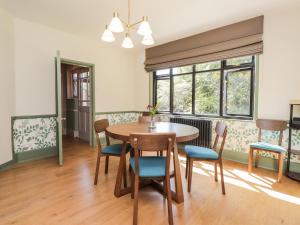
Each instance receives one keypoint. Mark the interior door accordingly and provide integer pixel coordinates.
(58, 108)
(84, 104)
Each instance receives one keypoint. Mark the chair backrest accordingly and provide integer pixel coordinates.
(152, 142)
(145, 113)
(144, 119)
(271, 125)
(100, 126)
(221, 132)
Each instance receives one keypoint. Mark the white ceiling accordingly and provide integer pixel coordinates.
(170, 19)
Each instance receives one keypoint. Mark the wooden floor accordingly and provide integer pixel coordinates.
(41, 192)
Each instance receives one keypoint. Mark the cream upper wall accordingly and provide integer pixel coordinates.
(279, 76)
(6, 84)
(35, 50)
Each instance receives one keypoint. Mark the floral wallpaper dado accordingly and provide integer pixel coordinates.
(34, 134)
(39, 133)
(241, 133)
(119, 118)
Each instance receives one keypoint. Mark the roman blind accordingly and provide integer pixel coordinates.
(238, 39)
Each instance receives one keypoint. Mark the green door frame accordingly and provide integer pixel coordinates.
(92, 92)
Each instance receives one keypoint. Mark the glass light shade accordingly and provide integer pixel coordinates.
(107, 36)
(148, 40)
(116, 24)
(144, 28)
(127, 42)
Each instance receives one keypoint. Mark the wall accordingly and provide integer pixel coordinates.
(6, 84)
(35, 49)
(280, 74)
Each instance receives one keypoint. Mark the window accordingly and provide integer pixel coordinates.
(219, 88)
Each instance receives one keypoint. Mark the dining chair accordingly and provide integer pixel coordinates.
(146, 113)
(110, 150)
(197, 153)
(151, 167)
(278, 150)
(147, 119)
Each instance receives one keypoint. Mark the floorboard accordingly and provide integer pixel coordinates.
(42, 193)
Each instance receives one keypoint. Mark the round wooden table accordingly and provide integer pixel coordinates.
(122, 132)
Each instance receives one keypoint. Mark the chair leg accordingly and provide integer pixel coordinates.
(186, 167)
(280, 166)
(250, 162)
(106, 164)
(135, 204)
(125, 175)
(190, 174)
(131, 181)
(97, 168)
(222, 177)
(256, 158)
(164, 189)
(169, 199)
(216, 171)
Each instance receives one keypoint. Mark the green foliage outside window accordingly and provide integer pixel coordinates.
(235, 95)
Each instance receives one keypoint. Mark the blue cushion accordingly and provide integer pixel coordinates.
(150, 166)
(267, 146)
(115, 149)
(200, 152)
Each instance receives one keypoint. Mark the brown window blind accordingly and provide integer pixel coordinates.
(238, 39)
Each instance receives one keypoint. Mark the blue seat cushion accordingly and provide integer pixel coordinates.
(200, 152)
(267, 146)
(115, 149)
(150, 166)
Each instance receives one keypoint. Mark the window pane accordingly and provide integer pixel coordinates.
(163, 95)
(182, 97)
(183, 69)
(208, 66)
(163, 72)
(238, 92)
(207, 93)
(238, 61)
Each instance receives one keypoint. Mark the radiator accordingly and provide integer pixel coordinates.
(204, 126)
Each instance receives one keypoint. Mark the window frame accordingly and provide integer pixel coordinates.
(222, 102)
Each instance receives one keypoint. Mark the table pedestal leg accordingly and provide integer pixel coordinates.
(118, 191)
(178, 196)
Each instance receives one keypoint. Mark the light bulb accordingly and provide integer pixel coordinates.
(127, 42)
(107, 35)
(116, 24)
(148, 40)
(144, 28)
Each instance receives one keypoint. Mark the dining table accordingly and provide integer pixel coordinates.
(122, 132)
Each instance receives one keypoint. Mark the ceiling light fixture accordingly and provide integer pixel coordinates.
(117, 26)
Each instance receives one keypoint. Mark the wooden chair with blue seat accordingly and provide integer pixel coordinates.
(270, 125)
(109, 150)
(197, 153)
(151, 167)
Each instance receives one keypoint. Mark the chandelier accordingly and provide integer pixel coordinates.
(118, 25)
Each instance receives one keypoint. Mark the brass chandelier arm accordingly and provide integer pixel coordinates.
(130, 25)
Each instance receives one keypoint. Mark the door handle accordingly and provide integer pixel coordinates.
(63, 118)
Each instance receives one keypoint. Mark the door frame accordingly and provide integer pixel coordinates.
(92, 93)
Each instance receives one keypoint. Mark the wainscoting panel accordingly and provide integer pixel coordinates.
(38, 133)
(33, 133)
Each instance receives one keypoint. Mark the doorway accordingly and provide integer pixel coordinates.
(75, 103)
